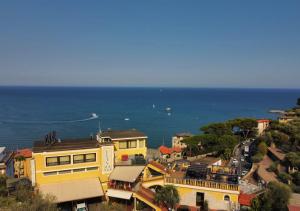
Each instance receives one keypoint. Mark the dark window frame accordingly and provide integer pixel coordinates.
(58, 163)
(85, 160)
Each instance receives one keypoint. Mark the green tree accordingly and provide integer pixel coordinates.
(257, 157)
(263, 148)
(292, 159)
(244, 126)
(167, 196)
(277, 196)
(255, 204)
(285, 177)
(218, 129)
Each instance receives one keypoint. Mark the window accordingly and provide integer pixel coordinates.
(78, 158)
(60, 160)
(142, 144)
(226, 198)
(131, 144)
(90, 157)
(64, 160)
(123, 144)
(127, 144)
(53, 161)
(84, 158)
(199, 199)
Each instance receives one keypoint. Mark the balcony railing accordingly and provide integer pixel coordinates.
(202, 183)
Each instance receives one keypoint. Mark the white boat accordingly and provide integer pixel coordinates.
(153, 106)
(94, 115)
(168, 109)
(126, 119)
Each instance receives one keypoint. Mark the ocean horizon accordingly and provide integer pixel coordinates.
(28, 113)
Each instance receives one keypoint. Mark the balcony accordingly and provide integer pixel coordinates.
(202, 183)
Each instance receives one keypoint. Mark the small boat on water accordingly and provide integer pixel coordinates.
(168, 109)
(153, 106)
(126, 119)
(94, 115)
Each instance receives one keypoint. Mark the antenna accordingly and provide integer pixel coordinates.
(99, 127)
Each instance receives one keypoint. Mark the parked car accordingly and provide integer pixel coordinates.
(81, 207)
(244, 173)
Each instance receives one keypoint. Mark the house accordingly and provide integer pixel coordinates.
(123, 182)
(72, 169)
(129, 145)
(218, 185)
(22, 161)
(262, 125)
(170, 153)
(176, 140)
(6, 162)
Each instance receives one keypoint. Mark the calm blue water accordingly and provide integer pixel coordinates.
(27, 114)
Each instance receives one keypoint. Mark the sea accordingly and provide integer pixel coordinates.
(27, 114)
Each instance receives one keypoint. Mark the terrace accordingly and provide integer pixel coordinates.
(200, 175)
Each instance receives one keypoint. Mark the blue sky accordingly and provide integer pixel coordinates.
(150, 43)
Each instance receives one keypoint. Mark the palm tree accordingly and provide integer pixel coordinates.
(19, 158)
(167, 196)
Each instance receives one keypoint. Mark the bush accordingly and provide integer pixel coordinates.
(263, 148)
(257, 157)
(284, 177)
(273, 167)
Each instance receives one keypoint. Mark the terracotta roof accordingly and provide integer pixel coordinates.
(245, 199)
(27, 153)
(263, 120)
(120, 134)
(294, 208)
(167, 150)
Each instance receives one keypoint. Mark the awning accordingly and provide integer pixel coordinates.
(126, 173)
(121, 194)
(73, 190)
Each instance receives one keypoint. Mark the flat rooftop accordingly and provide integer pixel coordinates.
(64, 145)
(122, 134)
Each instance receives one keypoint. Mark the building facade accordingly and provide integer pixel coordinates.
(72, 170)
(176, 140)
(128, 144)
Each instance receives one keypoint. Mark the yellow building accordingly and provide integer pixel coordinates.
(72, 170)
(217, 186)
(128, 144)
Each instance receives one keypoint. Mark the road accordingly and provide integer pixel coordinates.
(238, 154)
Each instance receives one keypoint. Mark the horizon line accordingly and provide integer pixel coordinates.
(154, 87)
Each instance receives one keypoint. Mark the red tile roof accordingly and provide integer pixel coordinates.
(27, 153)
(167, 150)
(263, 120)
(245, 199)
(294, 208)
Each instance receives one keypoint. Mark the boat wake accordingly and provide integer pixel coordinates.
(93, 116)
